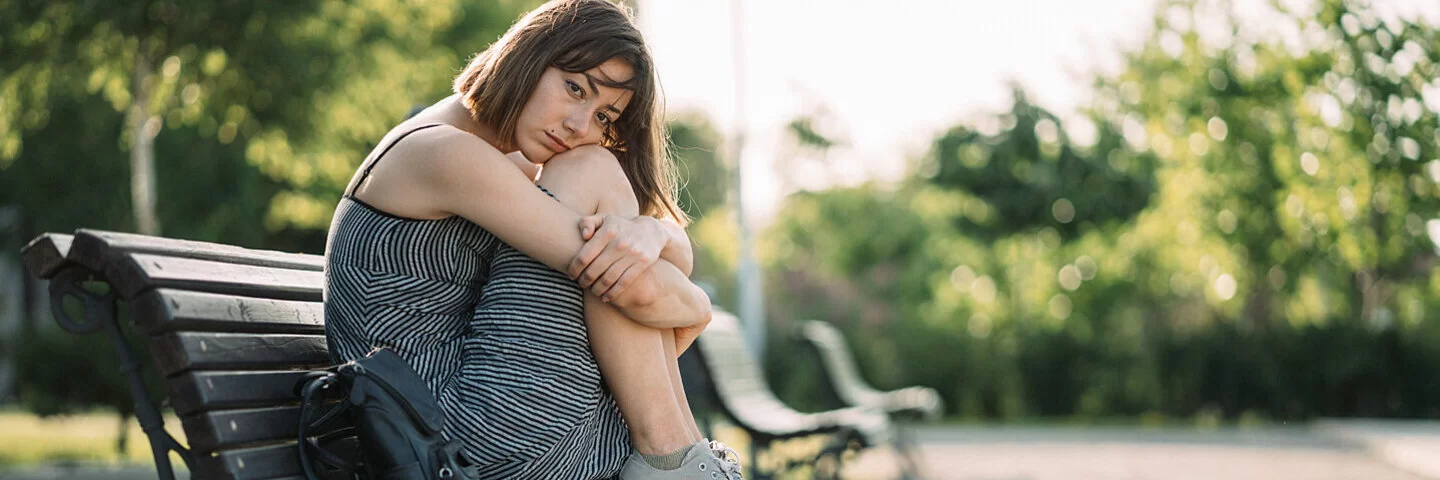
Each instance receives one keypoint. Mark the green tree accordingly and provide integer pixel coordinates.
(257, 114)
(1032, 174)
(1246, 230)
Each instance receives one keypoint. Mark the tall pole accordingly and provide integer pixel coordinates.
(752, 306)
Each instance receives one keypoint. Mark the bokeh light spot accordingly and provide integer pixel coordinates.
(1088, 267)
(1069, 277)
(1310, 163)
(1063, 210)
(1060, 306)
(1225, 286)
(1227, 221)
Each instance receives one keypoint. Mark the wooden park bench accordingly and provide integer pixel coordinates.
(844, 387)
(722, 375)
(231, 330)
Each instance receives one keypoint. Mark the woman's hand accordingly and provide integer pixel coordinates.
(616, 252)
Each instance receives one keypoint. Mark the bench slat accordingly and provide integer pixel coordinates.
(45, 255)
(738, 384)
(228, 429)
(204, 391)
(166, 310)
(98, 248)
(178, 352)
(269, 462)
(208, 432)
(136, 273)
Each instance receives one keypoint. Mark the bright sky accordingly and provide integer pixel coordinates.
(891, 74)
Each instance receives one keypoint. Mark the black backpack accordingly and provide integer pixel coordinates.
(395, 419)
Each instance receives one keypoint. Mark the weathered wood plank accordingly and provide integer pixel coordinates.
(46, 254)
(97, 248)
(228, 429)
(136, 273)
(211, 431)
(166, 310)
(220, 390)
(184, 351)
(269, 462)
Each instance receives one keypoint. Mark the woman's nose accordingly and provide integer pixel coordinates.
(577, 123)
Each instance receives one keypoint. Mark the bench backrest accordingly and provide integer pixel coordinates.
(845, 382)
(231, 329)
(835, 359)
(738, 384)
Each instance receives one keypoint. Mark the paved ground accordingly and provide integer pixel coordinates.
(1324, 452)
(1335, 450)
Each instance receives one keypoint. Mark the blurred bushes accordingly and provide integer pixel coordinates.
(1241, 225)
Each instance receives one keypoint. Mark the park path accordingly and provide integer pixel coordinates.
(1324, 451)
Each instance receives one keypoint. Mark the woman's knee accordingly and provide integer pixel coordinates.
(589, 171)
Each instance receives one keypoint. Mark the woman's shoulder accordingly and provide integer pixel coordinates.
(434, 138)
(439, 146)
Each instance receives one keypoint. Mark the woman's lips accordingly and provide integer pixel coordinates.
(555, 143)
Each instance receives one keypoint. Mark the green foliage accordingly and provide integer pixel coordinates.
(1241, 231)
(264, 110)
(268, 110)
(705, 180)
(1032, 175)
(84, 377)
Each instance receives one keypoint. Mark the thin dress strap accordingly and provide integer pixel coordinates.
(376, 160)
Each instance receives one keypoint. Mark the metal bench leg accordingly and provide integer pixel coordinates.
(756, 472)
(908, 449)
(100, 312)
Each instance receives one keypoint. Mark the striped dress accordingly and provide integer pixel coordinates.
(498, 337)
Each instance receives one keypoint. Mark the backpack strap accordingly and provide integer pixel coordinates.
(310, 395)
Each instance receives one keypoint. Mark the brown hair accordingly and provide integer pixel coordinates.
(575, 36)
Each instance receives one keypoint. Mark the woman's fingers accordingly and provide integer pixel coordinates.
(619, 249)
(589, 225)
(593, 247)
(614, 253)
(625, 280)
(610, 285)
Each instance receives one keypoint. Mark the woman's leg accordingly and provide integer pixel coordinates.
(638, 362)
(639, 365)
(673, 365)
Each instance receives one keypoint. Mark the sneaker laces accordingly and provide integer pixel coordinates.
(729, 460)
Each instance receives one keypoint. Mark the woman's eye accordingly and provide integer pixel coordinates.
(603, 119)
(573, 87)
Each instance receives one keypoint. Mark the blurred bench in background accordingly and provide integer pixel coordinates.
(847, 388)
(722, 375)
(844, 387)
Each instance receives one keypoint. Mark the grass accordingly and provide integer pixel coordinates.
(81, 438)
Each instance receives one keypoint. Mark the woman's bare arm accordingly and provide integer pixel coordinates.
(462, 175)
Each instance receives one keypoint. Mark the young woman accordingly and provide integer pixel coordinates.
(444, 250)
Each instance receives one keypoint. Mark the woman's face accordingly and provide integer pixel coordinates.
(568, 110)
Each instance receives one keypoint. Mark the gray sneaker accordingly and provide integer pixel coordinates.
(729, 460)
(704, 461)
